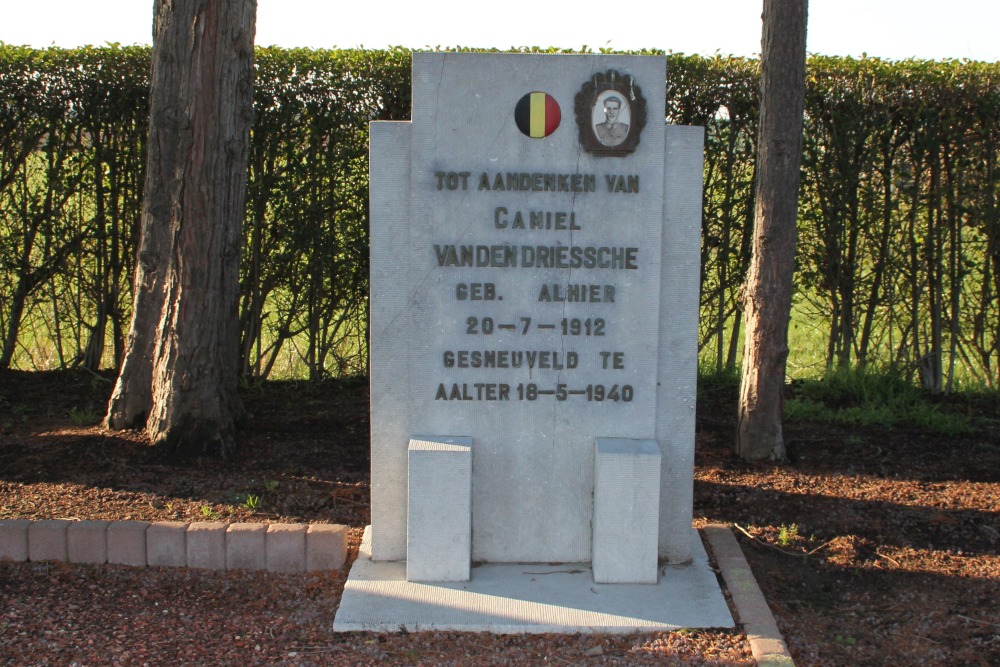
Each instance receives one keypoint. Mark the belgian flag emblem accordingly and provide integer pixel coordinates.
(537, 115)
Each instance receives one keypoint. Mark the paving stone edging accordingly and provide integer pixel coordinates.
(212, 545)
(766, 644)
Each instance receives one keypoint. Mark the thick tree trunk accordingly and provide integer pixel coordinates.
(767, 294)
(179, 375)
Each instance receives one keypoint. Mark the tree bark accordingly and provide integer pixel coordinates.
(767, 293)
(179, 375)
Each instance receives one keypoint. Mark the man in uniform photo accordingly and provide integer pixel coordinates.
(611, 132)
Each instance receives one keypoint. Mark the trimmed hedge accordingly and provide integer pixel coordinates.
(899, 250)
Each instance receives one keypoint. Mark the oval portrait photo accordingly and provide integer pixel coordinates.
(611, 117)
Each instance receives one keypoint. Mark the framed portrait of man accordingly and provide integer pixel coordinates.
(611, 119)
(610, 113)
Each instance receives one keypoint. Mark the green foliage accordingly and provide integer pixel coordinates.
(804, 409)
(871, 397)
(935, 420)
(250, 501)
(72, 136)
(859, 386)
(787, 534)
(305, 278)
(83, 416)
(72, 158)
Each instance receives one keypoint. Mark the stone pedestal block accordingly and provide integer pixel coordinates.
(166, 544)
(47, 540)
(326, 547)
(87, 542)
(439, 501)
(286, 547)
(626, 511)
(127, 543)
(14, 539)
(206, 545)
(245, 546)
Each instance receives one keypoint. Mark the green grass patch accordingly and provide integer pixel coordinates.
(86, 416)
(872, 397)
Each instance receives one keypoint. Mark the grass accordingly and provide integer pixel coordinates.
(84, 416)
(807, 341)
(872, 397)
(861, 397)
(249, 500)
(808, 337)
(787, 534)
(49, 343)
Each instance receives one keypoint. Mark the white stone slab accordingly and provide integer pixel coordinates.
(678, 340)
(533, 485)
(439, 522)
(515, 598)
(389, 182)
(534, 427)
(626, 510)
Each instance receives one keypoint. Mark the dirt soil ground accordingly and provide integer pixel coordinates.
(873, 547)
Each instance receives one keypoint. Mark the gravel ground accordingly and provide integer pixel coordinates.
(55, 614)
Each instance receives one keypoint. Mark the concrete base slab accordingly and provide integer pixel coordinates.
(514, 598)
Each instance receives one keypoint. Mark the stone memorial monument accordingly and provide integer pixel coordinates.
(534, 302)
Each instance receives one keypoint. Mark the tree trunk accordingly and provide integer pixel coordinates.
(767, 294)
(179, 375)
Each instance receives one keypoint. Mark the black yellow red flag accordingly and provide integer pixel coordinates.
(537, 115)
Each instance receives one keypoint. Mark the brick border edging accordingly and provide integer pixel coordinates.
(766, 644)
(276, 547)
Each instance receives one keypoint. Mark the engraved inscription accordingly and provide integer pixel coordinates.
(542, 340)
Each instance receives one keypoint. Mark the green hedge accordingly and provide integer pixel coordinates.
(72, 147)
(899, 244)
